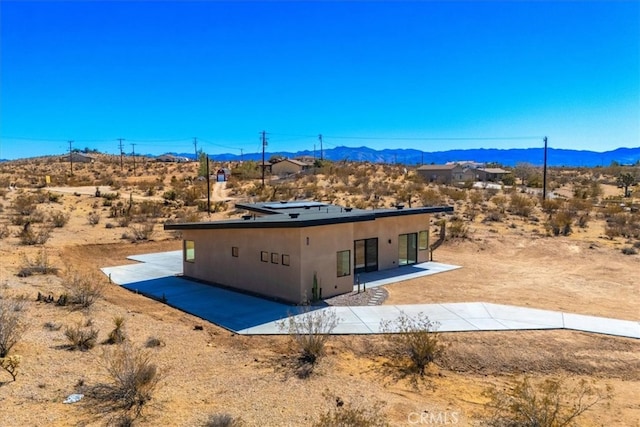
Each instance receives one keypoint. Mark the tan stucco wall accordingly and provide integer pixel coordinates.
(310, 249)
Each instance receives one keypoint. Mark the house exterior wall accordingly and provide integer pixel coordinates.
(285, 167)
(310, 250)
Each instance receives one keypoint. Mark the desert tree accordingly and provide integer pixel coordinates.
(625, 180)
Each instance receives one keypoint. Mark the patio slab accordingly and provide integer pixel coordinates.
(158, 277)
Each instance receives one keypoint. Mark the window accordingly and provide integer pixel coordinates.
(275, 258)
(344, 263)
(285, 259)
(423, 240)
(264, 256)
(189, 250)
(235, 251)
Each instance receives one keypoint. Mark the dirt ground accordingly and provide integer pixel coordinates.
(209, 370)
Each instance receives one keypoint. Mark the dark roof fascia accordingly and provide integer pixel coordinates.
(283, 222)
(255, 208)
(413, 211)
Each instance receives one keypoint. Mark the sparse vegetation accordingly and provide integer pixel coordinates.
(413, 342)
(81, 337)
(342, 414)
(550, 403)
(223, 420)
(12, 325)
(84, 290)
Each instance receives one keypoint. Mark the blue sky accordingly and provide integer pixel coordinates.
(380, 74)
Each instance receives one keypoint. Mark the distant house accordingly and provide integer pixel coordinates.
(442, 174)
(171, 158)
(77, 158)
(289, 167)
(491, 174)
(223, 174)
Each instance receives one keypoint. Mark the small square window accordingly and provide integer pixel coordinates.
(285, 259)
(423, 240)
(275, 257)
(344, 263)
(234, 251)
(264, 256)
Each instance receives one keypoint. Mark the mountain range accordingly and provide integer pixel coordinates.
(506, 157)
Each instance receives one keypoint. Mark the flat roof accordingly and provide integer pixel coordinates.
(299, 216)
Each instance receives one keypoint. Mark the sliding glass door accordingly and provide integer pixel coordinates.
(407, 249)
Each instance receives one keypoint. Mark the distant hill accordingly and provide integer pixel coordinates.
(506, 157)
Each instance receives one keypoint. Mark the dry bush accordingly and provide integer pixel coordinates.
(309, 331)
(342, 414)
(521, 205)
(81, 338)
(412, 342)
(139, 232)
(623, 224)
(59, 219)
(153, 342)
(550, 403)
(117, 335)
(25, 204)
(4, 231)
(134, 380)
(30, 237)
(457, 229)
(12, 325)
(11, 365)
(84, 289)
(560, 223)
(39, 265)
(223, 420)
(93, 218)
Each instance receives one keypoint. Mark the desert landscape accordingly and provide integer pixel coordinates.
(577, 252)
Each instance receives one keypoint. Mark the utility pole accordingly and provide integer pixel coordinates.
(195, 145)
(121, 153)
(264, 144)
(208, 188)
(544, 172)
(71, 155)
(133, 152)
(241, 156)
(321, 154)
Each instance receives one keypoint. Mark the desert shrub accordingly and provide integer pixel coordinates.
(29, 236)
(25, 204)
(117, 335)
(150, 209)
(550, 403)
(52, 326)
(4, 231)
(493, 215)
(458, 229)
(134, 379)
(309, 332)
(349, 415)
(500, 201)
(430, 197)
(39, 265)
(59, 219)
(84, 290)
(93, 218)
(153, 342)
(139, 232)
(413, 342)
(629, 250)
(11, 365)
(223, 420)
(12, 325)
(560, 223)
(521, 205)
(81, 338)
(623, 224)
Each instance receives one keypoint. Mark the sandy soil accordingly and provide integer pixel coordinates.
(209, 370)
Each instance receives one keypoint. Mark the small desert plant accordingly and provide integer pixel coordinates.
(413, 342)
(310, 331)
(84, 290)
(134, 379)
(4, 231)
(348, 415)
(81, 338)
(138, 233)
(10, 364)
(12, 325)
(93, 218)
(458, 229)
(560, 223)
(550, 403)
(59, 219)
(117, 335)
(521, 205)
(153, 342)
(223, 420)
(30, 237)
(629, 250)
(38, 265)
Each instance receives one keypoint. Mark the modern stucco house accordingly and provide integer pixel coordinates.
(302, 250)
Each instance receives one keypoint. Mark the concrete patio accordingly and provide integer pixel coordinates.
(157, 275)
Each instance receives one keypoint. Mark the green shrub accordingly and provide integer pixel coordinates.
(81, 338)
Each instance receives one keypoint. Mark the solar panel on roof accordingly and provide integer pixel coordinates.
(294, 205)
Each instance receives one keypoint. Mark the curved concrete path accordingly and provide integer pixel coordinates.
(157, 276)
